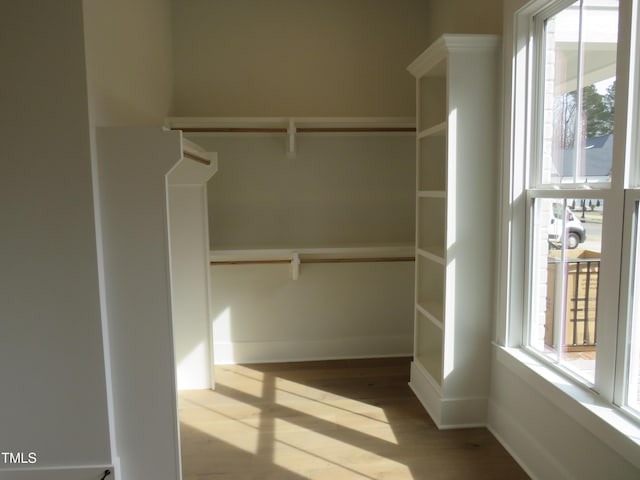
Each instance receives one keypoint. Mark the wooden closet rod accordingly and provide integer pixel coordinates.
(316, 260)
(357, 260)
(248, 262)
(231, 129)
(197, 158)
(354, 129)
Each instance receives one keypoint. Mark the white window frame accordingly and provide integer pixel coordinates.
(605, 417)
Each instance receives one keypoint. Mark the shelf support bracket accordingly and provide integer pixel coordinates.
(295, 266)
(291, 139)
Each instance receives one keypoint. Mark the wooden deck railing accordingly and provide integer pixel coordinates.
(581, 277)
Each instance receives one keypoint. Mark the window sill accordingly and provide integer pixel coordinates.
(587, 408)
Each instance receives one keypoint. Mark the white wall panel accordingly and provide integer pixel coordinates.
(53, 399)
(331, 311)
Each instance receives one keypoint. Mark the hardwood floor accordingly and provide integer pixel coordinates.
(346, 419)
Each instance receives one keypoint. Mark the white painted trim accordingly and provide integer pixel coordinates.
(534, 458)
(447, 413)
(226, 353)
(104, 312)
(438, 51)
(75, 472)
(426, 391)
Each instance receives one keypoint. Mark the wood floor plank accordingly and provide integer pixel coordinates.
(345, 419)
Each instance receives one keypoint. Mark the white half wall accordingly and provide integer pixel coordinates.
(342, 310)
(132, 168)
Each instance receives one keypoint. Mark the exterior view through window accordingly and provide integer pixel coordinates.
(571, 163)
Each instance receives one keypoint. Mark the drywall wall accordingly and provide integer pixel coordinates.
(129, 61)
(463, 16)
(260, 314)
(337, 191)
(546, 441)
(132, 165)
(53, 401)
(293, 58)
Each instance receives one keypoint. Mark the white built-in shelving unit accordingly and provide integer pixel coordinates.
(455, 181)
(290, 130)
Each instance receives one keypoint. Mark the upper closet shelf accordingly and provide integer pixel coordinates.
(290, 127)
(297, 256)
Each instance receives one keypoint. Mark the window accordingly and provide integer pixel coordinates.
(570, 172)
(574, 196)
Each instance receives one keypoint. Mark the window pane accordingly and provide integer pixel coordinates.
(580, 46)
(564, 289)
(633, 384)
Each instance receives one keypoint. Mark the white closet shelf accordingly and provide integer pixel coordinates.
(437, 130)
(433, 311)
(297, 256)
(290, 127)
(226, 125)
(434, 253)
(365, 252)
(432, 194)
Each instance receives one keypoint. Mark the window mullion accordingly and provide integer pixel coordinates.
(613, 296)
(629, 279)
(579, 151)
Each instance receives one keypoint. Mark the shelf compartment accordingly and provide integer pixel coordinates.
(432, 163)
(429, 346)
(431, 224)
(430, 287)
(433, 97)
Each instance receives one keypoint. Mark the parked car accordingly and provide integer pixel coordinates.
(575, 232)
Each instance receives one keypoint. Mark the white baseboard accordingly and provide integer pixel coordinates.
(57, 473)
(524, 448)
(226, 353)
(447, 413)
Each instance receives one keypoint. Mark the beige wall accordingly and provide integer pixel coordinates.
(129, 61)
(296, 57)
(346, 310)
(337, 191)
(256, 58)
(463, 16)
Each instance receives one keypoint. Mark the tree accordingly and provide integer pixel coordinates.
(597, 114)
(599, 117)
(565, 118)
(610, 98)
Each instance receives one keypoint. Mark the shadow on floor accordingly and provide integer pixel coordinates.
(354, 419)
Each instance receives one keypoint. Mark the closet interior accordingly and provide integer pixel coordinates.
(311, 227)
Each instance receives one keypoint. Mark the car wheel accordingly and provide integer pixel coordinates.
(573, 240)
